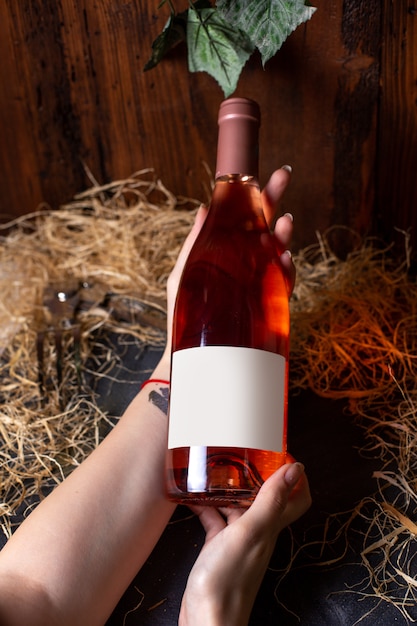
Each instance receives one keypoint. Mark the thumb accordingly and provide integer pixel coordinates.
(273, 192)
(190, 239)
(273, 508)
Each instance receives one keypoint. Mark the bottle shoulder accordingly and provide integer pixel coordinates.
(237, 186)
(235, 208)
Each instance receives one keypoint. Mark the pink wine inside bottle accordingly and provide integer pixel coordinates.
(228, 401)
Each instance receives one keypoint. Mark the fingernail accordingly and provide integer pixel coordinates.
(293, 473)
(288, 168)
(288, 253)
(290, 216)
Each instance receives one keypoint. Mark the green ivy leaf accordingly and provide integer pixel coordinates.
(267, 23)
(217, 47)
(175, 31)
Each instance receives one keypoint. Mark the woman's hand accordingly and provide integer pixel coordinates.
(239, 543)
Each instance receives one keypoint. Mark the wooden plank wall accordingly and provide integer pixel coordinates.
(338, 103)
(396, 183)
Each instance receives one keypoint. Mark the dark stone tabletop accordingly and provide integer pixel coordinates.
(327, 583)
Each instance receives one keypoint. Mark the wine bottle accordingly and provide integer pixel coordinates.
(228, 397)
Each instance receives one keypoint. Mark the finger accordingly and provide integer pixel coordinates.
(289, 270)
(299, 502)
(210, 519)
(273, 192)
(283, 230)
(273, 508)
(191, 237)
(232, 514)
(175, 275)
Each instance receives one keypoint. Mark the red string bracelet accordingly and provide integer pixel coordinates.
(154, 380)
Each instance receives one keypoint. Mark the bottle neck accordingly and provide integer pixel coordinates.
(238, 139)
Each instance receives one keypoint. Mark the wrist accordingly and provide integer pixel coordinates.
(215, 606)
(211, 617)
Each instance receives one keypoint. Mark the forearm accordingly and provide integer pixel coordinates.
(83, 544)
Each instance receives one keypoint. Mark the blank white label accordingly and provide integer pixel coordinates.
(227, 396)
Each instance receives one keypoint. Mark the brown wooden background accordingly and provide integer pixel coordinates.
(339, 104)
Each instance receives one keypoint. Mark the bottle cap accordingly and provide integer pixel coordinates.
(237, 146)
(241, 108)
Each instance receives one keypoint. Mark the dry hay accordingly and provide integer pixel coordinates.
(353, 321)
(354, 329)
(390, 515)
(122, 238)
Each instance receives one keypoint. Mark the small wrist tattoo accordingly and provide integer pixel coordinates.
(160, 399)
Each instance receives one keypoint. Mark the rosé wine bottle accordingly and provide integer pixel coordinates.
(229, 379)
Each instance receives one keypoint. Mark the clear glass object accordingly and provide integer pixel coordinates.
(228, 401)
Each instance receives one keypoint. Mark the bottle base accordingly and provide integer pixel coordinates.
(229, 500)
(225, 477)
